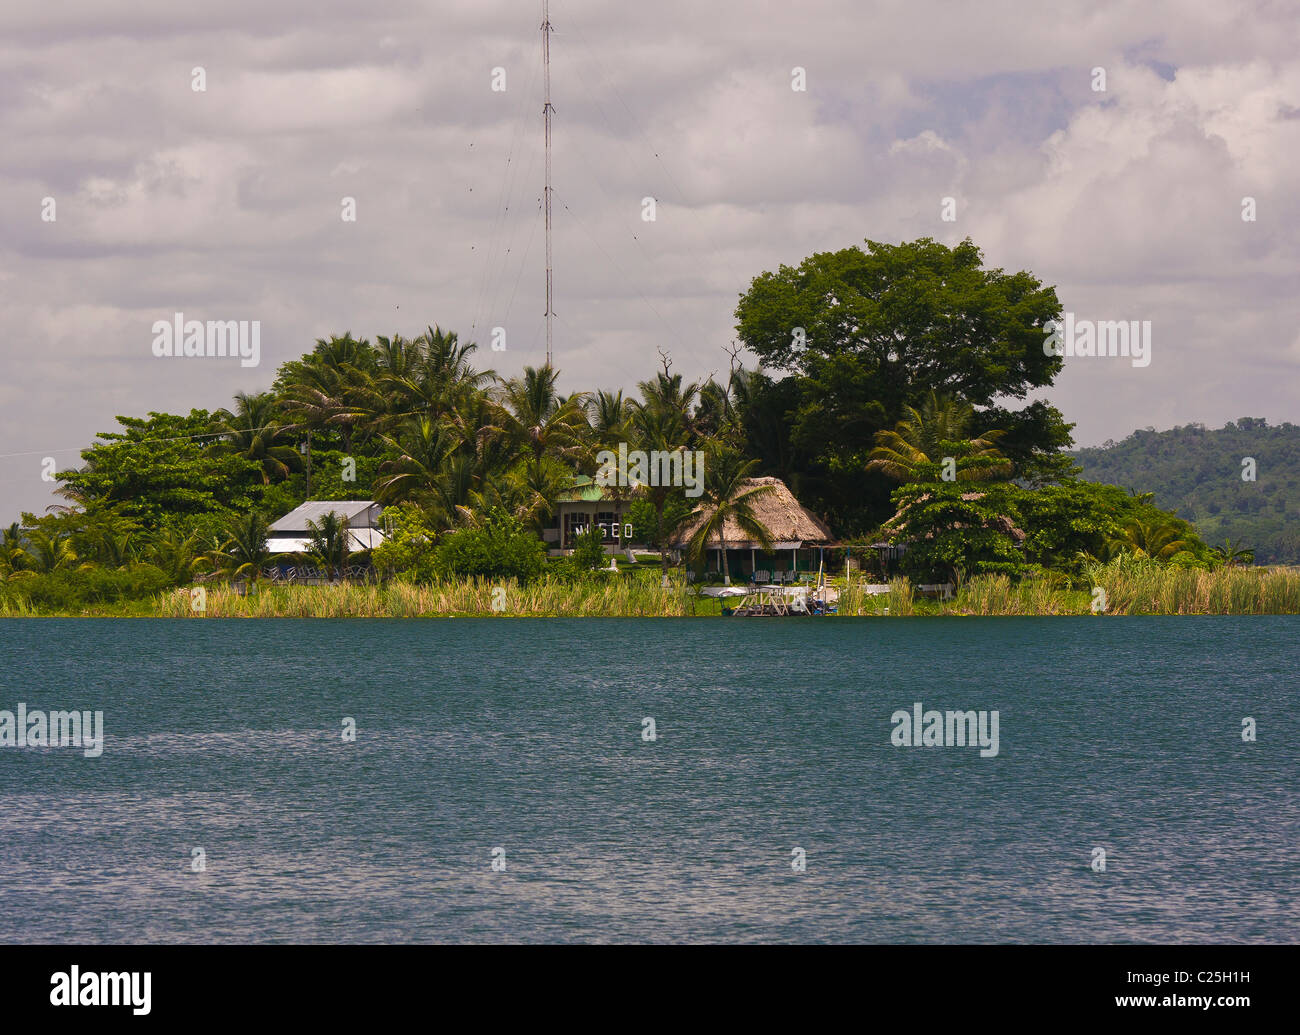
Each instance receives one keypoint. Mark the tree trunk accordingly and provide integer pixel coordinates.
(663, 555)
(726, 568)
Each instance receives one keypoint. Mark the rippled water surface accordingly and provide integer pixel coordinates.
(1120, 733)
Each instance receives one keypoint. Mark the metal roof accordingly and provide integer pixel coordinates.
(313, 510)
(358, 539)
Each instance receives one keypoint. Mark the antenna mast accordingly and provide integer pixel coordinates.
(546, 194)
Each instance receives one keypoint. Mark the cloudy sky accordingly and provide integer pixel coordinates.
(226, 203)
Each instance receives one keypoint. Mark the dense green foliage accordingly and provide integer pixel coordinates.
(864, 334)
(1198, 474)
(952, 531)
(500, 547)
(410, 551)
(163, 470)
(73, 589)
(589, 549)
(879, 401)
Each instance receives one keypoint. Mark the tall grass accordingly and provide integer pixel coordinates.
(1132, 587)
(14, 606)
(854, 600)
(987, 595)
(900, 597)
(998, 595)
(1138, 588)
(1145, 588)
(623, 598)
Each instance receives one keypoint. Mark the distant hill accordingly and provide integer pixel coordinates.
(1198, 473)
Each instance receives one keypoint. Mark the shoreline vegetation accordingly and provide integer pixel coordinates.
(395, 478)
(1129, 589)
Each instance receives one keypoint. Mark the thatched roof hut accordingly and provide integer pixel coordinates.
(792, 525)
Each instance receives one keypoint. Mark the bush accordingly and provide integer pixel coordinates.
(499, 548)
(410, 552)
(957, 527)
(589, 549)
(68, 590)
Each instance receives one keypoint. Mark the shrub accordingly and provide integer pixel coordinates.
(589, 549)
(71, 589)
(499, 548)
(410, 552)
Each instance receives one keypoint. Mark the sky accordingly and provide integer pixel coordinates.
(1109, 149)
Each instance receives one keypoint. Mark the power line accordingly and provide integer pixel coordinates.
(215, 435)
(503, 202)
(672, 330)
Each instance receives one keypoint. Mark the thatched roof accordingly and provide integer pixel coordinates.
(782, 514)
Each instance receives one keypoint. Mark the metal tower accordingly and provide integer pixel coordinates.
(546, 195)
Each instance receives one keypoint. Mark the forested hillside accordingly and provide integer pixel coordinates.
(1206, 477)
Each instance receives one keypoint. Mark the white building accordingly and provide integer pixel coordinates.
(290, 533)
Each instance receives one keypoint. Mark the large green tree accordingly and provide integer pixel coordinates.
(865, 333)
(157, 471)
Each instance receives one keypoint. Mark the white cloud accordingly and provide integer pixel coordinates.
(228, 201)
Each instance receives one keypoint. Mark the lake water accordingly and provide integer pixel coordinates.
(527, 735)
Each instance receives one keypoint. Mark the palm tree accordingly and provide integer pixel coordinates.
(325, 399)
(47, 553)
(334, 388)
(244, 552)
(1154, 538)
(1232, 554)
(935, 431)
(255, 432)
(425, 376)
(671, 398)
(729, 496)
(529, 491)
(608, 415)
(115, 549)
(395, 356)
(12, 554)
(423, 448)
(537, 418)
(328, 544)
(445, 364)
(545, 427)
(479, 425)
(715, 415)
(763, 423)
(659, 427)
(177, 555)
